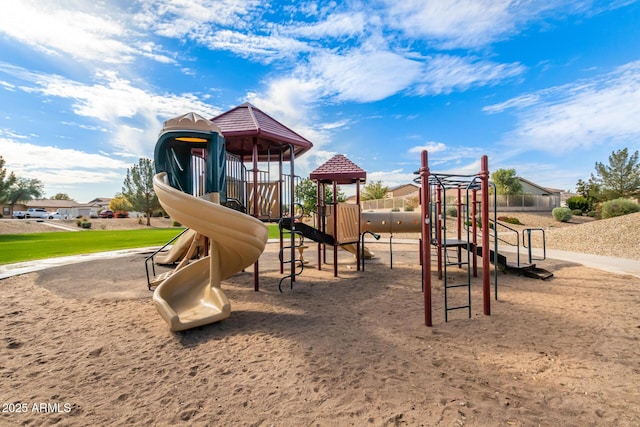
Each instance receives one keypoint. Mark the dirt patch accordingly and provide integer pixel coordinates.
(351, 350)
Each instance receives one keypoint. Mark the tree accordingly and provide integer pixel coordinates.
(621, 177)
(590, 190)
(374, 191)
(307, 194)
(5, 181)
(138, 188)
(120, 204)
(61, 196)
(506, 181)
(25, 189)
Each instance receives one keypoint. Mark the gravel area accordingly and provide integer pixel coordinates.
(617, 237)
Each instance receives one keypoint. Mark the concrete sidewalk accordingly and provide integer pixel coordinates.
(9, 270)
(605, 263)
(610, 264)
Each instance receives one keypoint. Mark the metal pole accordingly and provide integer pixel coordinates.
(335, 230)
(426, 241)
(254, 157)
(486, 286)
(293, 225)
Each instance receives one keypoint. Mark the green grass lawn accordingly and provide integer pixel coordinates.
(25, 247)
(31, 246)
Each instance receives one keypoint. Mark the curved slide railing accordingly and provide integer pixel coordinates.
(192, 296)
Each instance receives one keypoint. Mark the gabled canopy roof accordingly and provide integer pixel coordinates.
(340, 170)
(244, 123)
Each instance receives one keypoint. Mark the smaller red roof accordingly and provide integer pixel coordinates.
(340, 170)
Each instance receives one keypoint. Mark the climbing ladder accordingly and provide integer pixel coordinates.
(297, 246)
(460, 251)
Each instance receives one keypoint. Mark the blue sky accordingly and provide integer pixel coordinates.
(547, 87)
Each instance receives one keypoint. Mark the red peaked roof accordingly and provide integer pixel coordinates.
(245, 123)
(340, 170)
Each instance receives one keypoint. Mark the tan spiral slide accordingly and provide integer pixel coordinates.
(192, 296)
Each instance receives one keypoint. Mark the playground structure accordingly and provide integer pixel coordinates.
(203, 182)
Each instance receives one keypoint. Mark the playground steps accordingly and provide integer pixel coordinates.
(527, 270)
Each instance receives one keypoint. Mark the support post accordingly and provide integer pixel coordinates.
(335, 230)
(484, 182)
(358, 254)
(426, 241)
(319, 218)
(254, 190)
(439, 239)
(474, 234)
(292, 200)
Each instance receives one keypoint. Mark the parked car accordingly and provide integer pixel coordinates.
(39, 213)
(106, 214)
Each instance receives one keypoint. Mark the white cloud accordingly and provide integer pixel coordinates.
(266, 48)
(431, 147)
(178, 18)
(57, 166)
(467, 23)
(391, 178)
(86, 35)
(132, 114)
(335, 25)
(455, 23)
(579, 115)
(517, 102)
(363, 76)
(445, 74)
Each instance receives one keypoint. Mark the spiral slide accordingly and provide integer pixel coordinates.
(192, 296)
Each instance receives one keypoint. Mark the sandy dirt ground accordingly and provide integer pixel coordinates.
(84, 345)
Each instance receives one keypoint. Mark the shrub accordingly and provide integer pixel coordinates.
(592, 214)
(618, 207)
(395, 210)
(509, 220)
(452, 211)
(86, 224)
(408, 208)
(561, 214)
(122, 214)
(176, 224)
(80, 220)
(576, 212)
(578, 203)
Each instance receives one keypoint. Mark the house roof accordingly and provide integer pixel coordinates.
(244, 124)
(411, 184)
(543, 189)
(340, 170)
(50, 203)
(100, 201)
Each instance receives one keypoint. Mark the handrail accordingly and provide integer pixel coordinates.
(513, 230)
(375, 236)
(499, 239)
(150, 257)
(544, 244)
